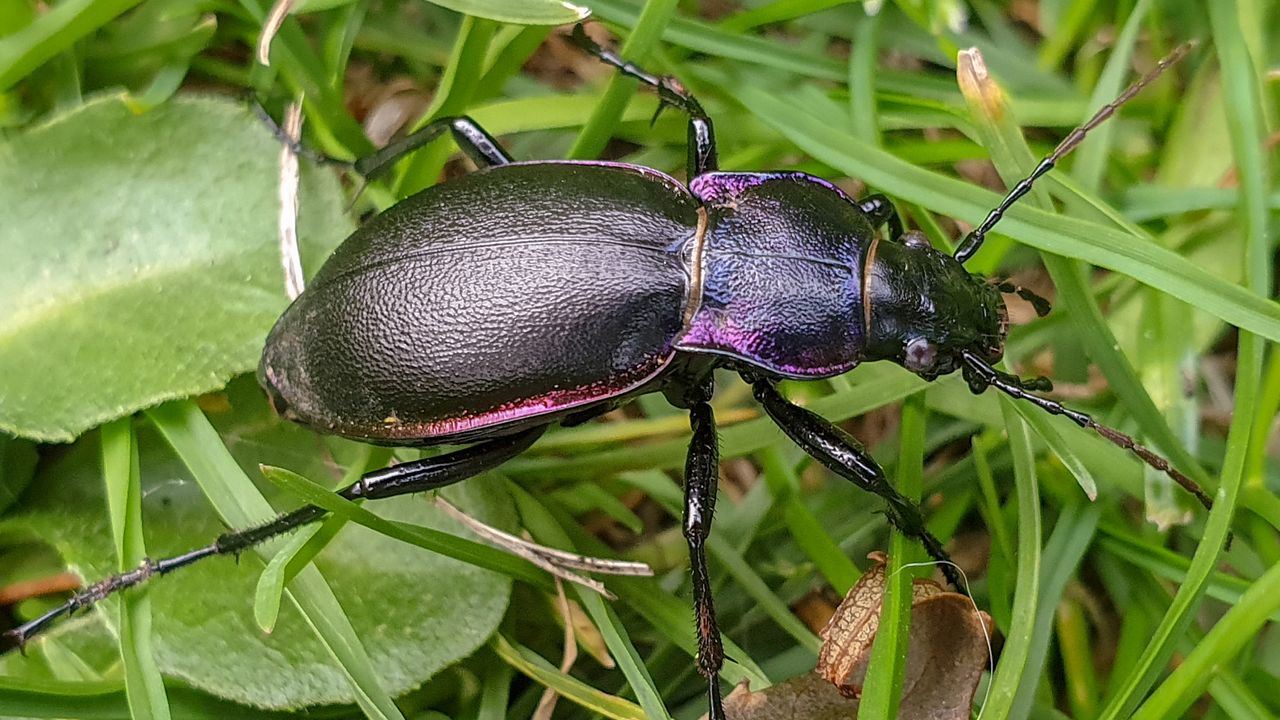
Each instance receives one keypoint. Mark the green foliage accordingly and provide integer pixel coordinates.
(139, 264)
(140, 255)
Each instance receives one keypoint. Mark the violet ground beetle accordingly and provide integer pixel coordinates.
(584, 284)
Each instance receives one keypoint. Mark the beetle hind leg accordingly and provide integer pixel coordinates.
(472, 139)
(417, 476)
(839, 452)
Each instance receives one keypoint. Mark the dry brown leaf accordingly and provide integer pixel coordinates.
(947, 652)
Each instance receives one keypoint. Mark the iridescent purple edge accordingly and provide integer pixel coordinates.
(716, 187)
(513, 413)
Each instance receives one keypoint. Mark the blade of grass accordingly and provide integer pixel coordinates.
(461, 79)
(570, 688)
(1244, 117)
(1016, 654)
(663, 489)
(467, 551)
(882, 689)
(822, 550)
(305, 545)
(53, 32)
(1239, 627)
(1072, 237)
(1066, 547)
(877, 385)
(143, 683)
(544, 528)
(105, 700)
(639, 43)
(240, 504)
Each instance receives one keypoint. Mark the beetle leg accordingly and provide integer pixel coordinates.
(880, 211)
(702, 138)
(472, 139)
(837, 450)
(701, 472)
(417, 476)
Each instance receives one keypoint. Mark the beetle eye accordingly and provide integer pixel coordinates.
(919, 355)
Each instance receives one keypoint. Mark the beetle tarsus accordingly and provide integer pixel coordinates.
(295, 146)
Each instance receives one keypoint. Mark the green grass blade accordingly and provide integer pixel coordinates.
(544, 528)
(1244, 115)
(53, 32)
(1228, 638)
(569, 687)
(819, 547)
(1096, 244)
(1065, 549)
(882, 692)
(467, 551)
(461, 78)
(1016, 655)
(143, 683)
(636, 48)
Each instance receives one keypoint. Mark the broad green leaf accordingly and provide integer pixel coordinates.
(17, 466)
(416, 612)
(163, 280)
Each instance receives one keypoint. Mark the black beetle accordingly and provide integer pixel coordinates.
(580, 285)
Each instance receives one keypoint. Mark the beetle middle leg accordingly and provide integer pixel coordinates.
(701, 473)
(417, 476)
(839, 452)
(702, 139)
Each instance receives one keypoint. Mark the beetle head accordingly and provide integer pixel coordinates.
(923, 310)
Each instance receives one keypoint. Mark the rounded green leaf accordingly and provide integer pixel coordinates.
(138, 258)
(415, 612)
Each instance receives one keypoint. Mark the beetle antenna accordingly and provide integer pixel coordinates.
(1038, 302)
(974, 239)
(980, 376)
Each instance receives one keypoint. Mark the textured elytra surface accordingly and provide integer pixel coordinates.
(511, 293)
(414, 611)
(138, 258)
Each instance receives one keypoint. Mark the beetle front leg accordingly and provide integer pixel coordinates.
(702, 137)
(839, 452)
(701, 473)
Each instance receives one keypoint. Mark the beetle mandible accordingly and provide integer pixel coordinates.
(585, 284)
